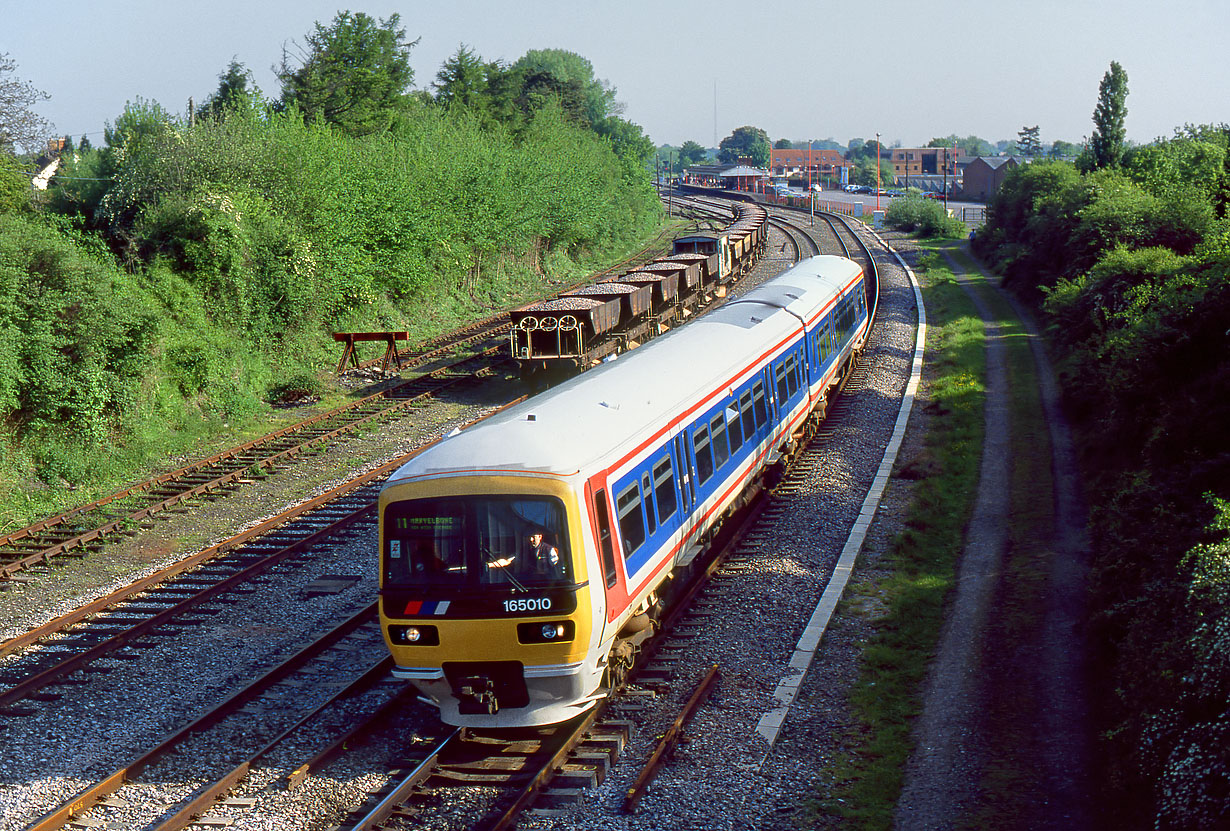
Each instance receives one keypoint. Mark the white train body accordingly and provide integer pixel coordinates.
(625, 470)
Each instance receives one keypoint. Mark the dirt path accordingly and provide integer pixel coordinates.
(1002, 742)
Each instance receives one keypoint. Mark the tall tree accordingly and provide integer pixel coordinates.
(1028, 142)
(462, 80)
(20, 127)
(354, 73)
(691, 153)
(571, 76)
(746, 141)
(236, 88)
(783, 144)
(1109, 132)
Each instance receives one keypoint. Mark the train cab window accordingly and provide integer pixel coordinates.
(465, 541)
(650, 516)
(745, 410)
(664, 489)
(631, 518)
(758, 404)
(734, 434)
(704, 455)
(717, 433)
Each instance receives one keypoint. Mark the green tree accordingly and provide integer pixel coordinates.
(570, 78)
(1028, 143)
(1109, 132)
(783, 144)
(691, 153)
(14, 185)
(1064, 149)
(354, 74)
(628, 140)
(972, 145)
(236, 88)
(462, 81)
(747, 141)
(20, 127)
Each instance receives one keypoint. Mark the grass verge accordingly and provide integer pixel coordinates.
(920, 567)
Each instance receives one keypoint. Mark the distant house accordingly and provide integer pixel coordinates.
(984, 174)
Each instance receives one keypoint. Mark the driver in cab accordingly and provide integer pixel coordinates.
(540, 557)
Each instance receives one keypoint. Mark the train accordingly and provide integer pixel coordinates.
(526, 559)
(579, 328)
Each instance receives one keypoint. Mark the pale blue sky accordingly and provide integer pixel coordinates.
(798, 70)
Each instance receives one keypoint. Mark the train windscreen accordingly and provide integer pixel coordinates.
(473, 542)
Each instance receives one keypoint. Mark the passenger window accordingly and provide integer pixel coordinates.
(791, 377)
(733, 433)
(664, 489)
(717, 429)
(704, 456)
(650, 518)
(631, 522)
(758, 404)
(782, 393)
(749, 421)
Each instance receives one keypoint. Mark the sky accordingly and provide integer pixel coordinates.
(686, 70)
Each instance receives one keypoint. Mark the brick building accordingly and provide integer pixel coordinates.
(924, 161)
(984, 175)
(794, 163)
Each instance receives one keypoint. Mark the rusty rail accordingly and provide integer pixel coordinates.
(669, 739)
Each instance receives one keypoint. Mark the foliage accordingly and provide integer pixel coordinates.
(14, 185)
(926, 216)
(354, 74)
(462, 80)
(1028, 143)
(1109, 133)
(972, 145)
(571, 77)
(249, 235)
(751, 142)
(236, 90)
(1132, 269)
(20, 127)
(783, 144)
(1064, 149)
(691, 153)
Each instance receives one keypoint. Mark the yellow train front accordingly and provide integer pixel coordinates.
(485, 603)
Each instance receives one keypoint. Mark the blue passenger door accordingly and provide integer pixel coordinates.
(687, 476)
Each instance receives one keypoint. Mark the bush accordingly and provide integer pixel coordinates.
(926, 216)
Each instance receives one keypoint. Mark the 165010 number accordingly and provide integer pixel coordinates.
(528, 604)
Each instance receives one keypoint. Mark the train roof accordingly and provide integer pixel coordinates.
(609, 411)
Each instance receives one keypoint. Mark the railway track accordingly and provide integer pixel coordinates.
(288, 698)
(86, 529)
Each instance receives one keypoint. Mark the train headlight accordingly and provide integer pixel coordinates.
(419, 635)
(561, 631)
